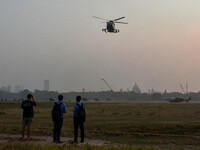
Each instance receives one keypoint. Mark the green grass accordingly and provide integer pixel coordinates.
(133, 123)
(74, 147)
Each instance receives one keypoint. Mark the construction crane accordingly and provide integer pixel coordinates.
(107, 84)
(186, 86)
(182, 88)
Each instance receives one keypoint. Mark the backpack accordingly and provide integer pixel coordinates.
(81, 113)
(56, 112)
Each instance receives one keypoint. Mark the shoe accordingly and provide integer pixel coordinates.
(73, 142)
(81, 141)
(22, 139)
(58, 141)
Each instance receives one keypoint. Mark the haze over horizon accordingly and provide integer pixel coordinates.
(61, 42)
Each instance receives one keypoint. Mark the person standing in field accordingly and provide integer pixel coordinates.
(79, 115)
(28, 114)
(58, 110)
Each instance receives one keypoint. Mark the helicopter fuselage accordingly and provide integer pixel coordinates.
(110, 27)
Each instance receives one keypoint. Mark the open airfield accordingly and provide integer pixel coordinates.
(109, 125)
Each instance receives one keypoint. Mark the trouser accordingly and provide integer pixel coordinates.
(57, 129)
(76, 124)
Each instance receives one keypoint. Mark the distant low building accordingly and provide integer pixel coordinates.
(5, 88)
(136, 89)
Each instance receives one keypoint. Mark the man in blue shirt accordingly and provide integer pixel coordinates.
(77, 120)
(59, 120)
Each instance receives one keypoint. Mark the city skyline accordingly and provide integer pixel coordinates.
(135, 88)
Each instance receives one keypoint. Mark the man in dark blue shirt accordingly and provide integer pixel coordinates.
(78, 121)
(58, 121)
(28, 114)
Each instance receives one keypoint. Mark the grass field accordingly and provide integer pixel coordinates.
(160, 125)
(74, 147)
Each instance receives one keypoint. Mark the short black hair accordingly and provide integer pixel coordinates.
(60, 97)
(78, 98)
(29, 96)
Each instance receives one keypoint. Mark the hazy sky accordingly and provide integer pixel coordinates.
(61, 42)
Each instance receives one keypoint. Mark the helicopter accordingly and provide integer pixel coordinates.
(178, 99)
(111, 24)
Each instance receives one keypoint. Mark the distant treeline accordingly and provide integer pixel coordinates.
(98, 96)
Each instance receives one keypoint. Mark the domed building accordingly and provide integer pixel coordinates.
(136, 89)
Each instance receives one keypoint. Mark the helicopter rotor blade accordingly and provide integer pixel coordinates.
(100, 18)
(121, 22)
(118, 18)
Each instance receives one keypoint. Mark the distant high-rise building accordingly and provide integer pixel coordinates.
(152, 90)
(165, 91)
(46, 85)
(149, 91)
(136, 88)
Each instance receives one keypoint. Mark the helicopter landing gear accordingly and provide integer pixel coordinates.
(104, 30)
(116, 31)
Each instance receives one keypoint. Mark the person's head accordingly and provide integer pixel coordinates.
(60, 97)
(78, 98)
(29, 96)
